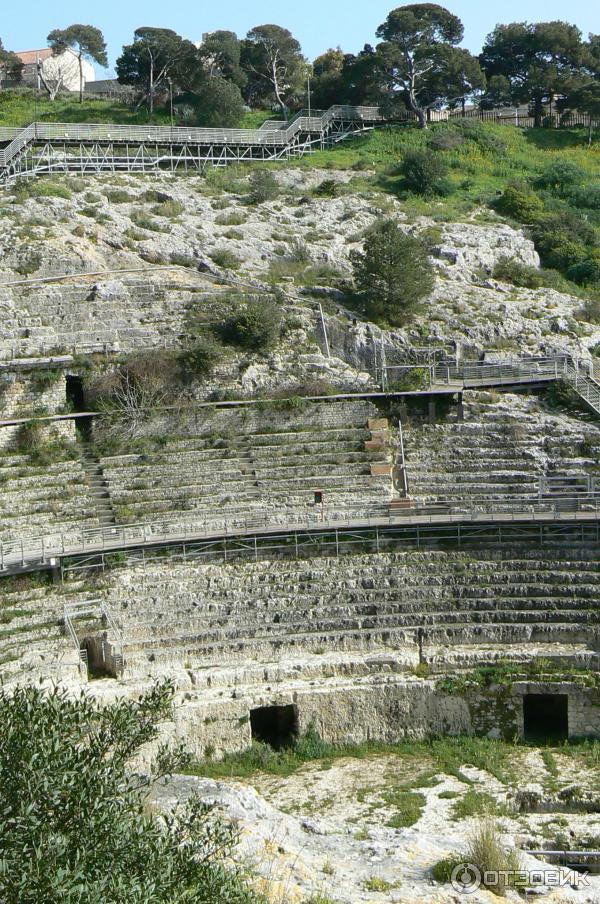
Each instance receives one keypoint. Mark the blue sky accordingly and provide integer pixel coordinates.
(318, 24)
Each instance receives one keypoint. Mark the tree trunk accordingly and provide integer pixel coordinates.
(151, 104)
(80, 79)
(537, 112)
(413, 103)
(590, 128)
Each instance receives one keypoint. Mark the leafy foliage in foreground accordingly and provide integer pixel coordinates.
(74, 822)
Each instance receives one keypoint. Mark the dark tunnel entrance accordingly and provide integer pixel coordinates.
(546, 716)
(274, 725)
(75, 394)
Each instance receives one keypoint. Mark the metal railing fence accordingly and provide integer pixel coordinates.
(41, 551)
(70, 132)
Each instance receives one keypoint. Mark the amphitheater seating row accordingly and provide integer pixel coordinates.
(240, 470)
(385, 601)
(505, 448)
(38, 499)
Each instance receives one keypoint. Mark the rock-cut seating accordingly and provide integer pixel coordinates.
(256, 464)
(438, 600)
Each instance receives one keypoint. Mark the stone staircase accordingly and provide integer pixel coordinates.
(98, 485)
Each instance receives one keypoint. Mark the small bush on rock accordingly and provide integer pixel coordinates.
(200, 358)
(442, 870)
(224, 258)
(255, 327)
(328, 188)
(169, 209)
(263, 186)
(486, 851)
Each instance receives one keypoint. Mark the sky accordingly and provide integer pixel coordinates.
(318, 24)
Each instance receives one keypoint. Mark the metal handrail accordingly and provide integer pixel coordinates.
(192, 135)
(41, 550)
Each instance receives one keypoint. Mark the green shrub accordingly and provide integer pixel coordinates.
(482, 135)
(76, 822)
(328, 188)
(200, 358)
(41, 188)
(225, 258)
(169, 209)
(392, 273)
(424, 173)
(154, 196)
(263, 186)
(256, 326)
(144, 221)
(521, 203)
(585, 272)
(235, 218)
(561, 176)
(512, 271)
(446, 139)
(587, 196)
(118, 196)
(442, 870)
(563, 239)
(30, 264)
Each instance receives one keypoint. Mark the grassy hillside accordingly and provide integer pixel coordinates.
(19, 108)
(547, 180)
(484, 158)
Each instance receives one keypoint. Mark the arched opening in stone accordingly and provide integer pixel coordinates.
(274, 725)
(546, 716)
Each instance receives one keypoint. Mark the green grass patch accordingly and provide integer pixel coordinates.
(476, 803)
(20, 108)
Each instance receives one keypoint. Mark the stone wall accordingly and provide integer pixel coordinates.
(382, 709)
(25, 393)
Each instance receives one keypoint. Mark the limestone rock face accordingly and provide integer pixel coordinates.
(468, 250)
(92, 233)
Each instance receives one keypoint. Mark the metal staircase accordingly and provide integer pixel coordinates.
(94, 610)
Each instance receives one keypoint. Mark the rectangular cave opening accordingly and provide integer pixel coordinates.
(274, 725)
(75, 392)
(546, 716)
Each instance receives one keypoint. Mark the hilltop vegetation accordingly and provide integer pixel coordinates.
(544, 179)
(21, 107)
